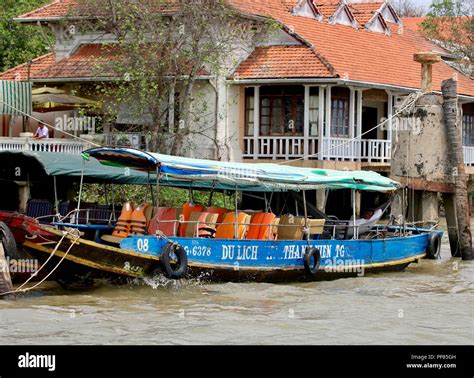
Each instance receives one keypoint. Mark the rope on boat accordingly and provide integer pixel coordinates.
(20, 288)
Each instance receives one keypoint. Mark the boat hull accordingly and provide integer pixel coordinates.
(223, 259)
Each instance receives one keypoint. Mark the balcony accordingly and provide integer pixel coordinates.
(64, 146)
(469, 155)
(343, 149)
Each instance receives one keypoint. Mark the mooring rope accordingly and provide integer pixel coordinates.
(20, 290)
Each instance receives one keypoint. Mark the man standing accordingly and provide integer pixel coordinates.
(41, 132)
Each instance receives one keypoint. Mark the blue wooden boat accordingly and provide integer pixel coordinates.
(314, 255)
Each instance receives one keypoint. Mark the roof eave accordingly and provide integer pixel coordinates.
(335, 80)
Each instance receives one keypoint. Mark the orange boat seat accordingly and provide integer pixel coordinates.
(220, 211)
(261, 227)
(186, 214)
(228, 228)
(201, 225)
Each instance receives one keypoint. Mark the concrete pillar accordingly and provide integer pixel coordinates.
(256, 121)
(306, 122)
(321, 200)
(322, 93)
(24, 196)
(398, 207)
(429, 208)
(427, 59)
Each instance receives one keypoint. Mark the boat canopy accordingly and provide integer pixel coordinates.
(68, 165)
(261, 177)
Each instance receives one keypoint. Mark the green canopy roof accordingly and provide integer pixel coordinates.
(200, 174)
(59, 164)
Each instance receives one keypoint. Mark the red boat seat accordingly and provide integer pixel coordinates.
(165, 220)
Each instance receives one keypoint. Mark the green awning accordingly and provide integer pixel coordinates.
(15, 98)
(59, 164)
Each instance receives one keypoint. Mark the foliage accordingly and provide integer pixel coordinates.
(450, 23)
(169, 197)
(163, 50)
(408, 8)
(20, 43)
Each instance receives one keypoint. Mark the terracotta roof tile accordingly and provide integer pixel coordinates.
(55, 9)
(21, 72)
(327, 10)
(361, 55)
(364, 12)
(86, 62)
(413, 23)
(283, 62)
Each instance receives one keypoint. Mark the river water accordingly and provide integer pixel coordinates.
(429, 303)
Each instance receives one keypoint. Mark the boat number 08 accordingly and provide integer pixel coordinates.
(142, 245)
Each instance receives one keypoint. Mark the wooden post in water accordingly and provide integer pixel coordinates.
(455, 154)
(5, 279)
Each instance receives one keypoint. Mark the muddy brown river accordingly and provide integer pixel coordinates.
(429, 303)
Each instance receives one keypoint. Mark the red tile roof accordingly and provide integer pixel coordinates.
(282, 62)
(360, 55)
(55, 9)
(21, 72)
(357, 54)
(364, 12)
(88, 61)
(413, 23)
(327, 9)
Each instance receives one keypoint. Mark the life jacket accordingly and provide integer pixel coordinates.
(139, 220)
(122, 227)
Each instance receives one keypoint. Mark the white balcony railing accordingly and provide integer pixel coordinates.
(469, 155)
(46, 145)
(368, 150)
(276, 147)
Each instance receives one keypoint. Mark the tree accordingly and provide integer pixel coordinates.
(20, 43)
(408, 8)
(162, 51)
(450, 23)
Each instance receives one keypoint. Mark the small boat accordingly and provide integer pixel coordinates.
(224, 243)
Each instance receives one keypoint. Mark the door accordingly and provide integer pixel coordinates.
(369, 121)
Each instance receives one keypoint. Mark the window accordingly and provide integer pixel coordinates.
(314, 111)
(249, 111)
(281, 110)
(340, 112)
(468, 129)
